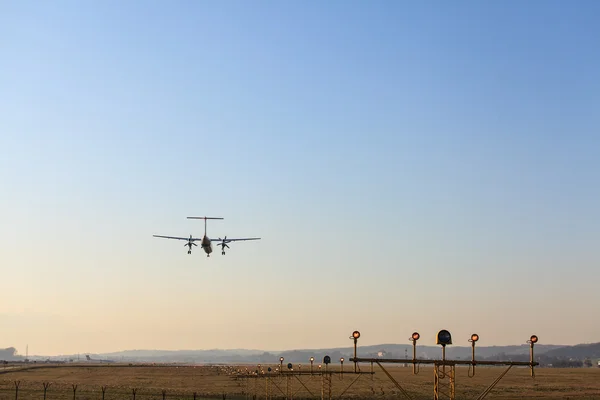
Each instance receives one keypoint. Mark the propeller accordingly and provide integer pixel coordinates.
(190, 242)
(223, 243)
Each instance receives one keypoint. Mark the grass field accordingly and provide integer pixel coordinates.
(180, 382)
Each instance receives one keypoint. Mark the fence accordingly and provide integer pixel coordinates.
(22, 390)
(295, 387)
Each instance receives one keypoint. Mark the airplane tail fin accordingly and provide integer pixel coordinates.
(88, 357)
(205, 218)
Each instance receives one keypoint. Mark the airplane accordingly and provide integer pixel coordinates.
(87, 357)
(205, 241)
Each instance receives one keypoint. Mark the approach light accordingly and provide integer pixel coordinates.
(533, 339)
(444, 338)
(413, 338)
(474, 338)
(312, 359)
(342, 359)
(281, 358)
(356, 334)
(326, 360)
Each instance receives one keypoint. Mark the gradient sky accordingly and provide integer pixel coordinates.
(408, 165)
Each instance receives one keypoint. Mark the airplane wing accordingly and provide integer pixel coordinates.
(178, 238)
(232, 240)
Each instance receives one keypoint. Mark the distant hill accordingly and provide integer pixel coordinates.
(303, 355)
(580, 351)
(544, 353)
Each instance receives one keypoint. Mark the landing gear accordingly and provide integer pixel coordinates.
(189, 252)
(223, 244)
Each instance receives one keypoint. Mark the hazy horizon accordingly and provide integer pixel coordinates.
(277, 351)
(408, 167)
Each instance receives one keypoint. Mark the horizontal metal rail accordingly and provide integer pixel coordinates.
(276, 374)
(441, 362)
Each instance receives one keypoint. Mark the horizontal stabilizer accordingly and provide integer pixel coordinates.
(205, 218)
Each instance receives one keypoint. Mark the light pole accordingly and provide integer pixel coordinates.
(355, 336)
(415, 336)
(474, 338)
(532, 340)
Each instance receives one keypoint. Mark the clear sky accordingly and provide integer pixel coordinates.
(408, 166)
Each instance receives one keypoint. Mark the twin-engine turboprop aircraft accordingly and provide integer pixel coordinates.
(205, 241)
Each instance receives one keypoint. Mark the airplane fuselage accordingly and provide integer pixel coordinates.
(206, 245)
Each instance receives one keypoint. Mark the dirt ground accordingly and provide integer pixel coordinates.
(181, 382)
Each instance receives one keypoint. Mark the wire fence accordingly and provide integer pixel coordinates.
(246, 389)
(22, 390)
(206, 383)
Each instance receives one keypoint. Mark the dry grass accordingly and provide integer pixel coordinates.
(181, 382)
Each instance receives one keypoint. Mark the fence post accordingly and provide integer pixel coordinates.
(194, 395)
(17, 384)
(133, 391)
(46, 386)
(103, 391)
(74, 390)
(164, 393)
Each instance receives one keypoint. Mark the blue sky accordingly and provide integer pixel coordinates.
(395, 158)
